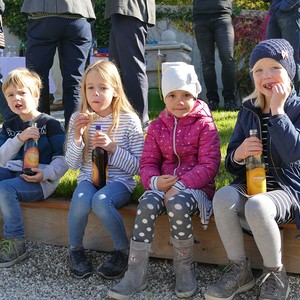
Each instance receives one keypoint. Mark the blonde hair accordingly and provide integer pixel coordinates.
(24, 78)
(109, 72)
(258, 99)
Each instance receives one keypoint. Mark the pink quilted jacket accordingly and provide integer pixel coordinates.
(188, 148)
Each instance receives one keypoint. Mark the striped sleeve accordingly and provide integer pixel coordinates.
(74, 154)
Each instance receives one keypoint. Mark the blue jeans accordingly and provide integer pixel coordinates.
(217, 31)
(286, 25)
(13, 190)
(104, 203)
(73, 39)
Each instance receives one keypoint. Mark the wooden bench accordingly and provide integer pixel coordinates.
(47, 222)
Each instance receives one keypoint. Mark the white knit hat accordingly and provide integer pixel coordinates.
(179, 76)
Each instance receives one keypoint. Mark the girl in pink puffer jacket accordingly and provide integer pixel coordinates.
(180, 160)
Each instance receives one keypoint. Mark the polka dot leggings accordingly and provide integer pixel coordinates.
(180, 208)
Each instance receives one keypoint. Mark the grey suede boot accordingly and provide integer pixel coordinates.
(135, 277)
(186, 284)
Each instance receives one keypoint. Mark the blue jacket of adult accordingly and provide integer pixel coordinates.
(283, 5)
(283, 146)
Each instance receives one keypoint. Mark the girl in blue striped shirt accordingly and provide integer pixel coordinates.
(103, 102)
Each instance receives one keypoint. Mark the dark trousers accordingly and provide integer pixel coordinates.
(286, 25)
(127, 50)
(4, 108)
(210, 33)
(73, 39)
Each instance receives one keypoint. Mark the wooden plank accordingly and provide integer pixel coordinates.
(291, 250)
(208, 245)
(47, 222)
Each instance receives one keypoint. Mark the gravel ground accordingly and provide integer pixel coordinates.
(45, 275)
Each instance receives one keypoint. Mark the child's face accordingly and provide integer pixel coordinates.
(21, 101)
(179, 103)
(267, 72)
(99, 94)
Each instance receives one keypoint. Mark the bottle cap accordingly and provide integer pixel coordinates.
(98, 127)
(253, 132)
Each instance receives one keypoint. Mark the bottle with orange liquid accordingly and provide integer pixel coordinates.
(99, 165)
(31, 156)
(255, 172)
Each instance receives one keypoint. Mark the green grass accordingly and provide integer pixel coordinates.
(225, 122)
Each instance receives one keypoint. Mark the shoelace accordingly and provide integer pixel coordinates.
(230, 273)
(8, 246)
(271, 280)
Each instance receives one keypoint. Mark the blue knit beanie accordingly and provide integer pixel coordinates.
(278, 49)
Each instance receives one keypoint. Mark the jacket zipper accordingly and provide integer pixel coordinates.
(174, 145)
(287, 189)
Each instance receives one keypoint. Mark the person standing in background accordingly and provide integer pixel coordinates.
(130, 21)
(4, 108)
(57, 79)
(213, 27)
(284, 23)
(63, 25)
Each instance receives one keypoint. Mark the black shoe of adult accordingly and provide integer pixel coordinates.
(56, 107)
(231, 105)
(213, 105)
(80, 267)
(115, 265)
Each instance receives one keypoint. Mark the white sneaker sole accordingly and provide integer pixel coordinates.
(114, 295)
(242, 289)
(12, 262)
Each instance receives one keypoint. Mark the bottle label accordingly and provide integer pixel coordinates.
(256, 181)
(31, 158)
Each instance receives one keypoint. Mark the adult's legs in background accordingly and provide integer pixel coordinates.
(40, 49)
(73, 49)
(224, 33)
(286, 25)
(127, 49)
(5, 111)
(73, 38)
(204, 33)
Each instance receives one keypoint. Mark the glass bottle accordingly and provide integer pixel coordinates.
(22, 49)
(31, 156)
(99, 165)
(255, 172)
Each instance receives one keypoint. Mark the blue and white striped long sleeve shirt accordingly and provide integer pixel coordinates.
(124, 163)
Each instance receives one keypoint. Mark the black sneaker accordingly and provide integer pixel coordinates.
(12, 250)
(80, 267)
(115, 265)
